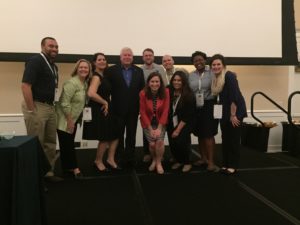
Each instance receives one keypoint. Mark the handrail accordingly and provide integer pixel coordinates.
(268, 98)
(290, 119)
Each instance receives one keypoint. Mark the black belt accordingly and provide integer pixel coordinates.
(46, 102)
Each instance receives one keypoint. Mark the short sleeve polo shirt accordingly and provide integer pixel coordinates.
(40, 76)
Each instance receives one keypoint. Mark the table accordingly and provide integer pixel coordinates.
(290, 139)
(255, 137)
(22, 167)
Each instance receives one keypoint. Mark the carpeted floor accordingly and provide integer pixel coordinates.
(265, 191)
(93, 201)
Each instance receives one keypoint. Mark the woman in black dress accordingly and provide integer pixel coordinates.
(104, 126)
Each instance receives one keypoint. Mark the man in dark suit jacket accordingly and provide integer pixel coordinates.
(126, 80)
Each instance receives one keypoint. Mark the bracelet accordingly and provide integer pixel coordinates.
(29, 111)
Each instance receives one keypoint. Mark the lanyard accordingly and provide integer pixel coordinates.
(87, 99)
(218, 99)
(200, 77)
(53, 70)
(175, 104)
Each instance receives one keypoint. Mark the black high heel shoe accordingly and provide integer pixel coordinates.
(98, 170)
(113, 167)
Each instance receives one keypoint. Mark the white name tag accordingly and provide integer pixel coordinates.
(175, 121)
(199, 99)
(218, 110)
(87, 114)
(56, 95)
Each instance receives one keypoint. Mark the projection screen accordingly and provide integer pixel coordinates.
(235, 28)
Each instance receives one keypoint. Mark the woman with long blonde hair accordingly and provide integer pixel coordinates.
(68, 111)
(225, 85)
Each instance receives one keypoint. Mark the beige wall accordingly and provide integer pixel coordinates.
(269, 79)
(297, 13)
(10, 84)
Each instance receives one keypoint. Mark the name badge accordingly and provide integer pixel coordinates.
(56, 95)
(199, 99)
(218, 110)
(87, 114)
(175, 121)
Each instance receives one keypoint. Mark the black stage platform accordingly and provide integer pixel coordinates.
(266, 190)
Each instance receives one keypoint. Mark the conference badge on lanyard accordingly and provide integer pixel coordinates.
(175, 117)
(175, 121)
(87, 114)
(200, 94)
(218, 110)
(56, 95)
(55, 75)
(199, 99)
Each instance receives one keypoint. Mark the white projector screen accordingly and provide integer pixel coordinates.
(235, 28)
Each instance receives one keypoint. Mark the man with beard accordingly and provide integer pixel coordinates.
(39, 88)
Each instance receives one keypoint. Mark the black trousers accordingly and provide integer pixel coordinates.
(126, 152)
(231, 144)
(181, 145)
(67, 149)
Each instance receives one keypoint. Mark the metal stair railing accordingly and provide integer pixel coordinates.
(290, 119)
(270, 100)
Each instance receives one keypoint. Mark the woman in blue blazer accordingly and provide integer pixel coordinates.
(225, 85)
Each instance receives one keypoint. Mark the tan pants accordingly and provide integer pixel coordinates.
(42, 123)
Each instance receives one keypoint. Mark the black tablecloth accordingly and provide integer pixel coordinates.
(22, 167)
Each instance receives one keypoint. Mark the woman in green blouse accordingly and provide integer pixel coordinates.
(68, 111)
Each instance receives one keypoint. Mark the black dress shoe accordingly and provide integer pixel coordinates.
(200, 164)
(53, 179)
(68, 174)
(78, 176)
(113, 167)
(132, 163)
(223, 170)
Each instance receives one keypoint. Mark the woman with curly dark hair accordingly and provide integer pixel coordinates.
(182, 111)
(205, 125)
